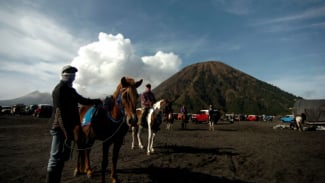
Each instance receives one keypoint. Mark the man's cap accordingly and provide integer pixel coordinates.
(69, 69)
(148, 85)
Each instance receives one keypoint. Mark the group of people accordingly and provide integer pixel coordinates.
(65, 125)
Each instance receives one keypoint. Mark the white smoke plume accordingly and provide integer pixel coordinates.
(103, 63)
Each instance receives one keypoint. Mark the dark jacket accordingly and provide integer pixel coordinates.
(147, 99)
(65, 104)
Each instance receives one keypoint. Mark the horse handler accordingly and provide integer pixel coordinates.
(65, 123)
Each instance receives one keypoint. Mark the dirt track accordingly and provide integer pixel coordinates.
(240, 152)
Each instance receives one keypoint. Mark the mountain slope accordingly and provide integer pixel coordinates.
(224, 87)
(35, 97)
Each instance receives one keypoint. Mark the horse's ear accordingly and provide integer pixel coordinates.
(138, 83)
(124, 82)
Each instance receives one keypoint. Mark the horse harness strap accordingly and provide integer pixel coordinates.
(119, 103)
(122, 120)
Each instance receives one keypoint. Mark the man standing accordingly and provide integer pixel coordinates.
(65, 125)
(147, 101)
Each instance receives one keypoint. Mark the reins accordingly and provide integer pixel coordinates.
(88, 148)
(122, 120)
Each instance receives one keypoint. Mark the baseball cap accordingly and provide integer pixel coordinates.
(69, 69)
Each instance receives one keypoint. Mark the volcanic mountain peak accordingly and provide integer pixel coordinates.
(226, 88)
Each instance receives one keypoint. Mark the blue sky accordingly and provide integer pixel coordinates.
(281, 42)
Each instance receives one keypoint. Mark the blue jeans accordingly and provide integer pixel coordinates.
(59, 151)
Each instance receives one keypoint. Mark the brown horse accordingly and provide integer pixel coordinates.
(169, 121)
(109, 124)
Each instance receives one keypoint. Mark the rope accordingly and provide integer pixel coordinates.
(119, 102)
(88, 148)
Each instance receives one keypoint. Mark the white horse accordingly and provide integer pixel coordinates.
(154, 120)
(299, 122)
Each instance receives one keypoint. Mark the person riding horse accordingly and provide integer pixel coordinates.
(147, 100)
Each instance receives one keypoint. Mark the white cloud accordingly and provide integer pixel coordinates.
(102, 63)
(37, 47)
(307, 14)
(307, 19)
(29, 35)
(33, 51)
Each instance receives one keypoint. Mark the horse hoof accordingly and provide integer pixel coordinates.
(75, 173)
(89, 174)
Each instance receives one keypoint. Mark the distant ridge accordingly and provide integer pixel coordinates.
(227, 88)
(34, 97)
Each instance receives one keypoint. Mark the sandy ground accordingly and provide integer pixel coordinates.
(239, 152)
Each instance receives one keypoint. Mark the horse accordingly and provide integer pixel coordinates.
(299, 121)
(154, 120)
(169, 120)
(168, 115)
(109, 123)
(214, 117)
(184, 120)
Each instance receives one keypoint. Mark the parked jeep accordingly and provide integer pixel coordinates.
(201, 117)
(43, 110)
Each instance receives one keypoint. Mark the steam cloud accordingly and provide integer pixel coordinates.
(102, 64)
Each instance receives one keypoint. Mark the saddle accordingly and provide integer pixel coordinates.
(95, 112)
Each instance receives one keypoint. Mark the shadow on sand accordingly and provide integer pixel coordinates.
(197, 150)
(155, 174)
(176, 175)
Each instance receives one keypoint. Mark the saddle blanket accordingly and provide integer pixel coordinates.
(88, 116)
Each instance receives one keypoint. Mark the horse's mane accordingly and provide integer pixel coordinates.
(113, 98)
(117, 91)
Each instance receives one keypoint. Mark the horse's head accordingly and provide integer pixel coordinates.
(159, 105)
(129, 97)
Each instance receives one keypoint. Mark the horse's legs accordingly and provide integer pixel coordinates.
(104, 159)
(136, 135)
(139, 137)
(116, 150)
(211, 128)
(87, 167)
(212, 125)
(149, 139)
(77, 167)
(134, 132)
(151, 136)
(151, 143)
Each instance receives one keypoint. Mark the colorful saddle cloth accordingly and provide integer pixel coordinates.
(88, 116)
